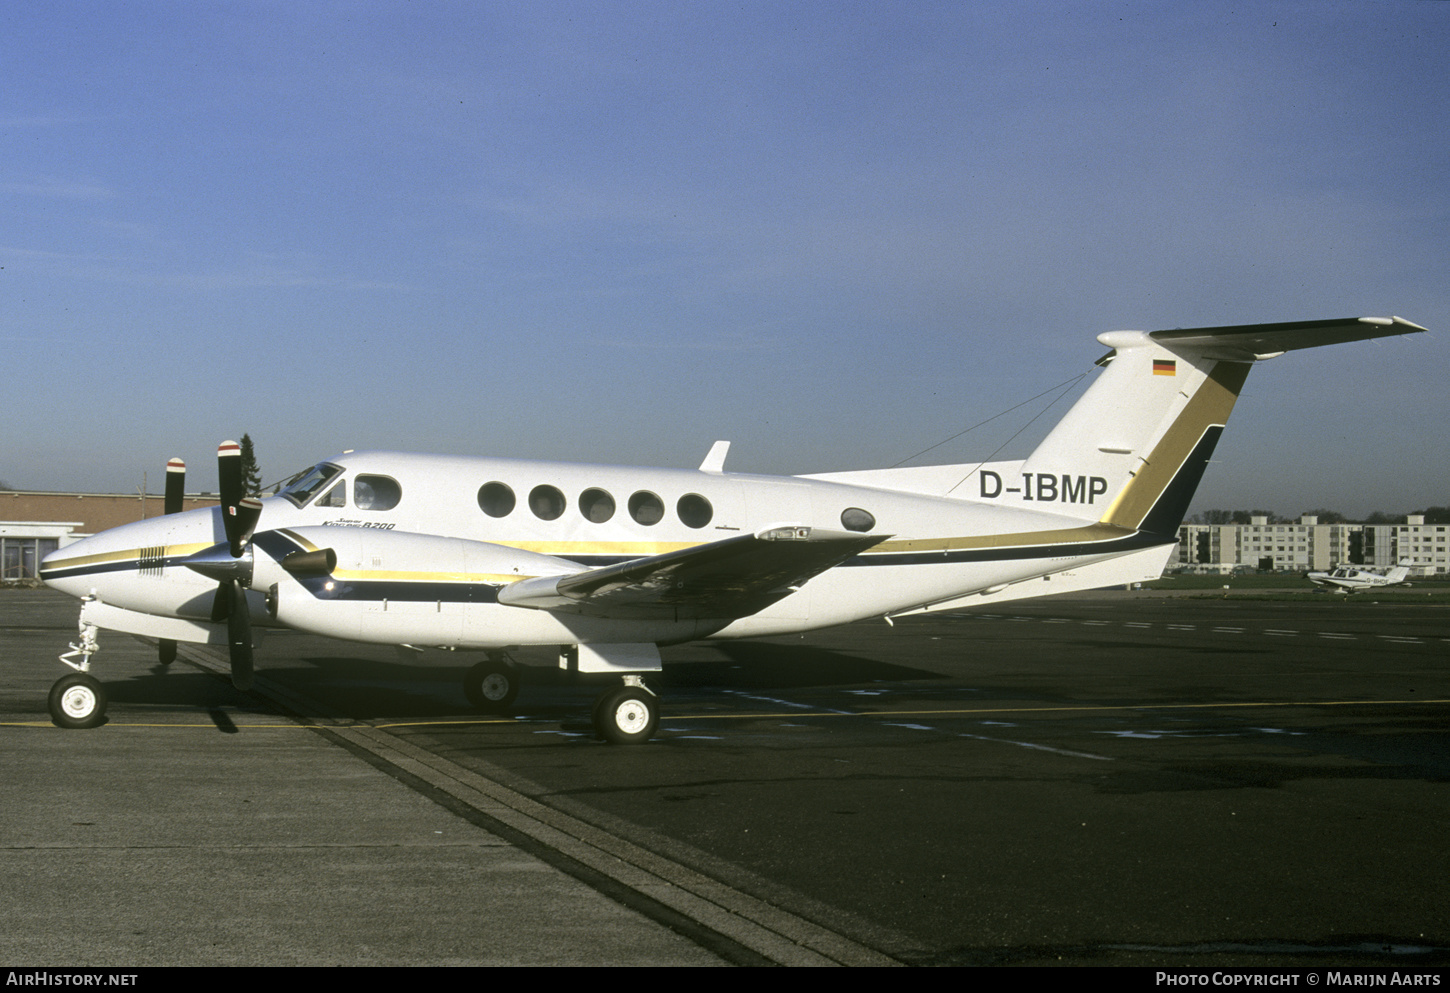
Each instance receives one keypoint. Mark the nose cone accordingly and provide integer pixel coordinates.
(116, 559)
(57, 570)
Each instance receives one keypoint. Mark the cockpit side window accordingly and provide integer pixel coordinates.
(305, 486)
(376, 493)
(335, 497)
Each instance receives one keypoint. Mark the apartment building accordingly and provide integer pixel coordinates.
(1311, 546)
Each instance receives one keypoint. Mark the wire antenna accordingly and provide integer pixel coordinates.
(1065, 386)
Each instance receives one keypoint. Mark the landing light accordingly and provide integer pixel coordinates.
(786, 534)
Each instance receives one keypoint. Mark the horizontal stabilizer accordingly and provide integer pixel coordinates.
(1247, 342)
(731, 578)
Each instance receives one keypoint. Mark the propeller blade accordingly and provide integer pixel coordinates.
(221, 603)
(229, 473)
(239, 637)
(171, 504)
(175, 486)
(229, 478)
(240, 521)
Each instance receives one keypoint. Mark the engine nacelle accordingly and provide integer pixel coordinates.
(366, 584)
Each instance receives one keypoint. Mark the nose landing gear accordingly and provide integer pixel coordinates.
(77, 700)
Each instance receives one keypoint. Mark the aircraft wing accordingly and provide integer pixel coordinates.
(726, 579)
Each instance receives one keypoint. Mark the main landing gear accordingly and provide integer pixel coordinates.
(492, 684)
(627, 715)
(623, 715)
(77, 700)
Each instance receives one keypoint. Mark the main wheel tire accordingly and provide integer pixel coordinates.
(627, 716)
(77, 701)
(492, 686)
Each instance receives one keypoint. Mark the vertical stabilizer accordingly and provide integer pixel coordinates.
(1132, 450)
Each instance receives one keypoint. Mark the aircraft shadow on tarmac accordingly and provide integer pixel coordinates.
(761, 665)
(370, 688)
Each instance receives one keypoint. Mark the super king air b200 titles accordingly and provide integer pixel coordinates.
(608, 563)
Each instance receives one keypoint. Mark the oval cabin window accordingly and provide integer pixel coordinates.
(547, 502)
(376, 493)
(646, 508)
(496, 499)
(596, 505)
(694, 510)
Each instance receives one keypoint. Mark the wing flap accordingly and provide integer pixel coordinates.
(726, 579)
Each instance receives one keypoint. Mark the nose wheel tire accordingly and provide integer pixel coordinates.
(77, 701)
(492, 686)
(627, 716)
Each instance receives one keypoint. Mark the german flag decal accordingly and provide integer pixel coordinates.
(1165, 367)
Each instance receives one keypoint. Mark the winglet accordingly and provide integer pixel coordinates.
(715, 461)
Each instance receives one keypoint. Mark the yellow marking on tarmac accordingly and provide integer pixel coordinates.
(947, 712)
(758, 715)
(209, 725)
(1044, 710)
(465, 721)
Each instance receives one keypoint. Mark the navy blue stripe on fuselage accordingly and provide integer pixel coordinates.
(279, 546)
(101, 568)
(1011, 553)
(398, 591)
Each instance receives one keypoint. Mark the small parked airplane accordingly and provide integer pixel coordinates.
(1347, 579)
(608, 563)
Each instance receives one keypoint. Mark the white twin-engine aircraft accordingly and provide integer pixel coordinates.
(608, 563)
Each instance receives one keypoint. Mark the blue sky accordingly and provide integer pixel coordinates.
(833, 233)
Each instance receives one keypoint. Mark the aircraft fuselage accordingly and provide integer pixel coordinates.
(425, 542)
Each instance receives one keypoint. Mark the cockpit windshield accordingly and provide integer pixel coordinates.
(305, 485)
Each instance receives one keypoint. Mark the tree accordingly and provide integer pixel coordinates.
(251, 473)
(1327, 516)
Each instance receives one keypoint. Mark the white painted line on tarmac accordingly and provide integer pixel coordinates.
(788, 703)
(1041, 748)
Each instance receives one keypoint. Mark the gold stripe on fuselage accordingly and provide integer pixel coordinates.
(1064, 536)
(564, 549)
(379, 575)
(124, 555)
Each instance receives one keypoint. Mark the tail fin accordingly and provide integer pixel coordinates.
(1397, 575)
(1143, 433)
